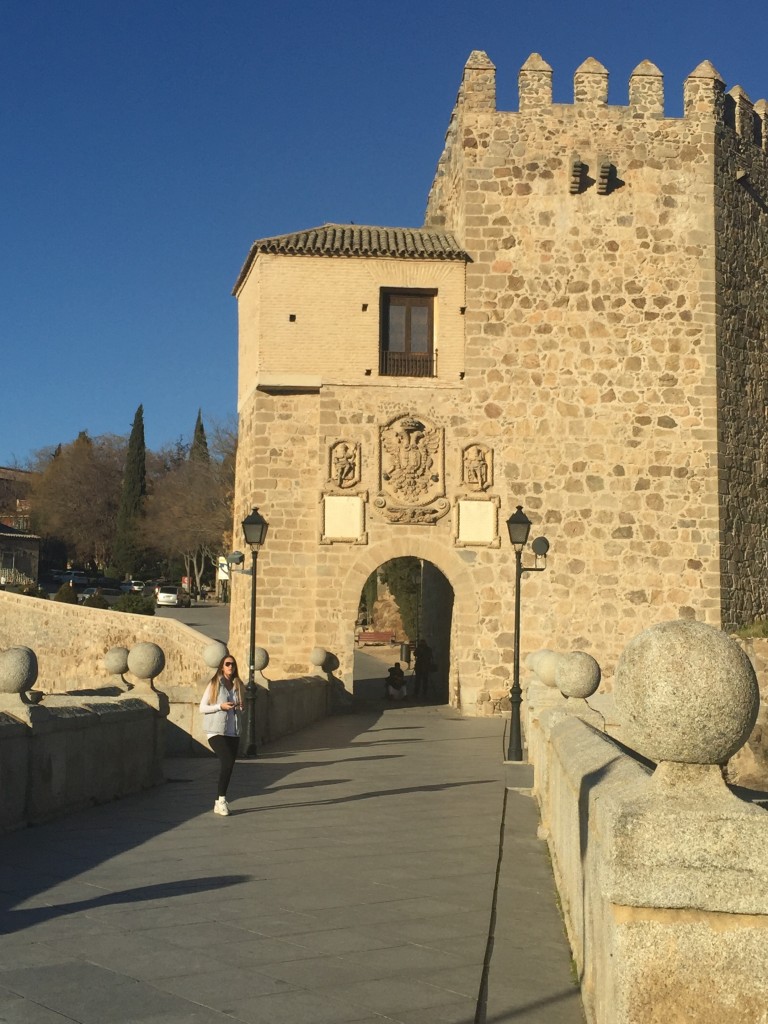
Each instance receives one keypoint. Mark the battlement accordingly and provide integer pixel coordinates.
(704, 95)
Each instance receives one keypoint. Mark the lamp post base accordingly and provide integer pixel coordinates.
(248, 742)
(515, 749)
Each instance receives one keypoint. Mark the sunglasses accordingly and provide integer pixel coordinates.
(229, 664)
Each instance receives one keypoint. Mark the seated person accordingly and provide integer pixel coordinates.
(394, 685)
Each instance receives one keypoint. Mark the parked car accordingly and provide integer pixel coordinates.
(151, 587)
(132, 586)
(110, 594)
(174, 597)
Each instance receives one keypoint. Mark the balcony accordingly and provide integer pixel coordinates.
(406, 364)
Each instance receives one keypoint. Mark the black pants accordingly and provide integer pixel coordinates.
(420, 682)
(225, 748)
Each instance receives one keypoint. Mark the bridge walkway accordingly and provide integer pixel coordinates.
(358, 879)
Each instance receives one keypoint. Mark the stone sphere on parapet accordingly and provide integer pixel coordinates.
(317, 656)
(116, 660)
(146, 660)
(544, 664)
(577, 674)
(18, 669)
(323, 659)
(214, 653)
(260, 659)
(686, 692)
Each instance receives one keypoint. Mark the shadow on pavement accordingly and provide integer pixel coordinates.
(38, 859)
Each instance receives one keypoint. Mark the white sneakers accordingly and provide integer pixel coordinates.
(221, 806)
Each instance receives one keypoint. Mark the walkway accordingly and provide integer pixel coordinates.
(354, 881)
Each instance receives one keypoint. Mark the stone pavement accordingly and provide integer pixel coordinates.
(358, 879)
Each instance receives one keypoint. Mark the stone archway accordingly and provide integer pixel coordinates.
(448, 564)
(411, 600)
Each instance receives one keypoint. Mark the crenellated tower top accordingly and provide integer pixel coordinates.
(704, 94)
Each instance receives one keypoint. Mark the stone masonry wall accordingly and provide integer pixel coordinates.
(71, 640)
(591, 338)
(277, 471)
(308, 593)
(587, 362)
(741, 197)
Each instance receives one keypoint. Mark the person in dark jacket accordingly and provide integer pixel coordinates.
(422, 666)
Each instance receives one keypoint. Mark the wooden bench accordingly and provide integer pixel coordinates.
(371, 636)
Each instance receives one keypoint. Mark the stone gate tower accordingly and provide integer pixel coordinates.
(577, 328)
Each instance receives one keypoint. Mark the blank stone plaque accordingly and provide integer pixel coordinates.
(342, 517)
(476, 522)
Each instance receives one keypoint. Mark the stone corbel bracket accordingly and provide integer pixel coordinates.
(577, 182)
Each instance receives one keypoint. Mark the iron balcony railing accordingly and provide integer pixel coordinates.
(406, 364)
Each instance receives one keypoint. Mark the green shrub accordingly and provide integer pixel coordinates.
(134, 603)
(32, 590)
(66, 594)
(755, 629)
(95, 601)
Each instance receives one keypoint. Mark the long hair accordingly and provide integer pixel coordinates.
(218, 676)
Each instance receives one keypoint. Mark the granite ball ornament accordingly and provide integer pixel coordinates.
(116, 660)
(317, 656)
(577, 674)
(260, 659)
(686, 692)
(146, 660)
(544, 664)
(18, 669)
(214, 653)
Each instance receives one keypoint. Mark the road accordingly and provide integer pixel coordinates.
(209, 618)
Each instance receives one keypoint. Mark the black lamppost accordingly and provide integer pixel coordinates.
(255, 531)
(519, 526)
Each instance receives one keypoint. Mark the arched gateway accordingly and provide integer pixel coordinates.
(434, 621)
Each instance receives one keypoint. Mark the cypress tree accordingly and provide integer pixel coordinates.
(199, 449)
(126, 551)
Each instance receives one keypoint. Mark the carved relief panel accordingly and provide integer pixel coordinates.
(344, 464)
(477, 467)
(411, 471)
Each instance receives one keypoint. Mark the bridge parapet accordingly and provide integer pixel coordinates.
(661, 866)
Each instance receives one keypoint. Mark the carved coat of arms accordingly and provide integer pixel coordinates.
(411, 471)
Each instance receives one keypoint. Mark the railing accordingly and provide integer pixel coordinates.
(406, 364)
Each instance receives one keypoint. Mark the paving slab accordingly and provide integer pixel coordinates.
(375, 867)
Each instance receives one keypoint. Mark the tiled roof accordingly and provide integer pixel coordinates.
(13, 534)
(359, 240)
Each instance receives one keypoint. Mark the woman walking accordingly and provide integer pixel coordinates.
(221, 704)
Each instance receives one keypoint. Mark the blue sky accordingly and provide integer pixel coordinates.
(147, 144)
